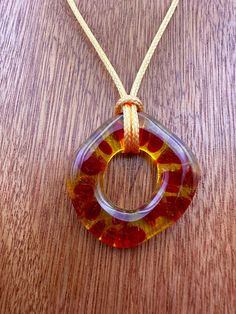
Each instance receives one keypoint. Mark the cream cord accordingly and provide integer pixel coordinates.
(130, 101)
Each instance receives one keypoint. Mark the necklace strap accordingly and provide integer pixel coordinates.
(131, 115)
(106, 61)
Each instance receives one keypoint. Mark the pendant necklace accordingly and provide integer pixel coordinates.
(131, 131)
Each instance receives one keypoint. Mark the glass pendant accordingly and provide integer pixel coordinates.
(177, 178)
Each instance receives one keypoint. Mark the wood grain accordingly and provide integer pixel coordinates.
(53, 93)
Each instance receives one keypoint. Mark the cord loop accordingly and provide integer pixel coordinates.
(128, 105)
(128, 99)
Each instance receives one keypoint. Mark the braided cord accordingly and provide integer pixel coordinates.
(129, 104)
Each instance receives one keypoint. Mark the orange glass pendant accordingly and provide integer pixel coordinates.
(131, 132)
(177, 178)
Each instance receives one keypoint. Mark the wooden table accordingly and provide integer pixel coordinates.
(54, 91)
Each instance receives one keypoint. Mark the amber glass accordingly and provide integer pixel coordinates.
(176, 183)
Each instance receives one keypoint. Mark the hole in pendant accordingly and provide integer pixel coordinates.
(130, 180)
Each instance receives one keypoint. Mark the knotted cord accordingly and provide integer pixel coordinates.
(129, 104)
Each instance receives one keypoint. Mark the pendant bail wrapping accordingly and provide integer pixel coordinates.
(130, 106)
